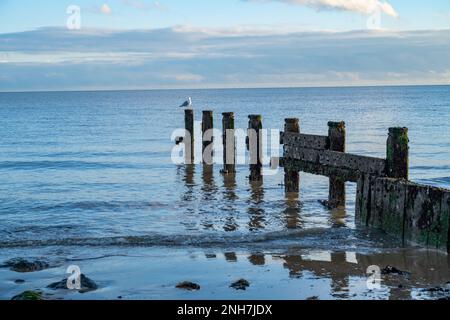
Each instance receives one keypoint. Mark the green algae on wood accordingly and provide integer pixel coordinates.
(336, 140)
(397, 149)
(254, 145)
(291, 177)
(189, 138)
(229, 143)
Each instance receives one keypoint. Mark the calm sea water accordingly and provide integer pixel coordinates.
(94, 168)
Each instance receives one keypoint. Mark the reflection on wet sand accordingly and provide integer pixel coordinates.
(257, 259)
(230, 256)
(347, 271)
(428, 267)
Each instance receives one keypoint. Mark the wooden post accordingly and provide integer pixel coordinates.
(254, 145)
(228, 137)
(291, 178)
(189, 141)
(207, 134)
(398, 153)
(336, 137)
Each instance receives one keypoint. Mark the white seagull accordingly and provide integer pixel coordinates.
(187, 103)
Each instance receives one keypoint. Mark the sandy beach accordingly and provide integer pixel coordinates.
(131, 273)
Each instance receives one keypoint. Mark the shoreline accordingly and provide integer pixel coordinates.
(138, 273)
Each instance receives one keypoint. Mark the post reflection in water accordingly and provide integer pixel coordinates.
(338, 218)
(189, 182)
(229, 194)
(292, 211)
(209, 192)
(256, 206)
(209, 188)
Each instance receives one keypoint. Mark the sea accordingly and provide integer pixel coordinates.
(86, 176)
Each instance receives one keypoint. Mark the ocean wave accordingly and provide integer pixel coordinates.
(209, 240)
(116, 206)
(430, 168)
(69, 164)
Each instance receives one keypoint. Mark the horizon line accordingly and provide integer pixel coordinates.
(233, 88)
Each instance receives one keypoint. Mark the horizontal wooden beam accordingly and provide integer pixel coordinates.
(304, 140)
(336, 160)
(319, 169)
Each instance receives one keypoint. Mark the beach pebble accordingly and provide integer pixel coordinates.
(186, 285)
(29, 295)
(241, 284)
(86, 284)
(394, 270)
(23, 265)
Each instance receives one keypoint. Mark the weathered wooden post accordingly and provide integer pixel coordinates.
(228, 138)
(254, 145)
(291, 178)
(189, 141)
(207, 134)
(398, 153)
(336, 138)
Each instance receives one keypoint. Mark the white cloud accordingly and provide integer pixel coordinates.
(187, 57)
(188, 77)
(106, 9)
(361, 6)
(145, 5)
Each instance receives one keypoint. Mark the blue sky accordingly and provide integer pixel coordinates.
(139, 44)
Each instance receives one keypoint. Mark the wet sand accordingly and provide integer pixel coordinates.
(294, 274)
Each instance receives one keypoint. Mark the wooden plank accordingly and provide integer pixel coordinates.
(362, 164)
(425, 222)
(445, 219)
(318, 169)
(376, 203)
(305, 140)
(336, 142)
(394, 201)
(292, 177)
(363, 199)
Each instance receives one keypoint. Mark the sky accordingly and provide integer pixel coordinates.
(145, 44)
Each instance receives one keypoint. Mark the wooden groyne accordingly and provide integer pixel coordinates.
(385, 198)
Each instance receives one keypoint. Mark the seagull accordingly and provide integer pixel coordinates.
(187, 103)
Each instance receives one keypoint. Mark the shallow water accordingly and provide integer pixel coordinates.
(94, 169)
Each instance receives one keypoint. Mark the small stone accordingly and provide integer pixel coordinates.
(23, 265)
(29, 295)
(394, 270)
(86, 285)
(241, 284)
(186, 285)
